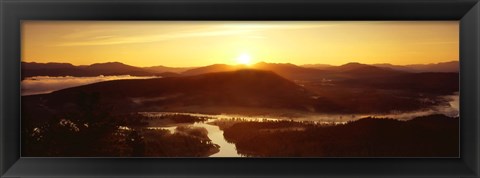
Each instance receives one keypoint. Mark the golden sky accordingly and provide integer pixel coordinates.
(200, 43)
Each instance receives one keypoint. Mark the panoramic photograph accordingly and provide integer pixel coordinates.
(261, 89)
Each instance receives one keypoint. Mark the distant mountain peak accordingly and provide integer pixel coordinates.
(353, 63)
(352, 66)
(110, 64)
(263, 65)
(272, 63)
(49, 65)
(449, 66)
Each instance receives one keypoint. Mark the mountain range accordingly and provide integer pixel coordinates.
(287, 70)
(30, 69)
(452, 66)
(261, 89)
(349, 88)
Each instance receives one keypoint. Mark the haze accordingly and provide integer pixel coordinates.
(201, 43)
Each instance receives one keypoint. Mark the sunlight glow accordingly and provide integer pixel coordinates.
(202, 43)
(244, 59)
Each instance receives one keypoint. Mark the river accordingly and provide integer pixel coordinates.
(229, 150)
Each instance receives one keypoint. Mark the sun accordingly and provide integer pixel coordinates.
(244, 59)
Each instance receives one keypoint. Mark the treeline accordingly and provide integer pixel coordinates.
(67, 138)
(178, 118)
(428, 136)
(87, 127)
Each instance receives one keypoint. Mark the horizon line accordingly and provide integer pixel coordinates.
(457, 60)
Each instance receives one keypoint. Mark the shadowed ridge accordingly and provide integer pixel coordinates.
(241, 88)
(208, 69)
(359, 70)
(50, 65)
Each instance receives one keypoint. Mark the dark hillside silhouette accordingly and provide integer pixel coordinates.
(64, 69)
(243, 88)
(266, 89)
(357, 70)
(163, 69)
(428, 136)
(452, 66)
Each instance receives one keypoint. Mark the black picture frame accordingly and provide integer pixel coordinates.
(14, 11)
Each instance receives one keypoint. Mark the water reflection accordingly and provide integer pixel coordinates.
(216, 135)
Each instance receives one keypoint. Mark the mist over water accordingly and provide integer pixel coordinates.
(45, 84)
(227, 149)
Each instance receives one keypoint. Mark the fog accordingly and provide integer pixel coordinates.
(46, 84)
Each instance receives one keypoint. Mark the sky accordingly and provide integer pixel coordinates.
(201, 43)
